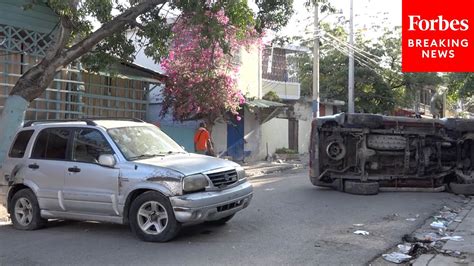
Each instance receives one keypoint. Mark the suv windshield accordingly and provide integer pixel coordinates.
(143, 142)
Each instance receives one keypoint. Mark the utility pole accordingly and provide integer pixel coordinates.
(351, 60)
(316, 62)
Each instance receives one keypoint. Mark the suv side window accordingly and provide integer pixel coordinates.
(51, 144)
(19, 146)
(88, 145)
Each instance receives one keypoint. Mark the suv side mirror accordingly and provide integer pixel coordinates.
(107, 160)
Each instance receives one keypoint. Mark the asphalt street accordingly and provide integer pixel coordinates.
(288, 222)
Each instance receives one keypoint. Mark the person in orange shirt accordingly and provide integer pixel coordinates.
(202, 141)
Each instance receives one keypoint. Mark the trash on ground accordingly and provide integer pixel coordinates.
(361, 232)
(438, 225)
(411, 219)
(404, 248)
(453, 238)
(269, 189)
(431, 237)
(396, 257)
(358, 225)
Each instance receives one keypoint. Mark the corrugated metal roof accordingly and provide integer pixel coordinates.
(261, 103)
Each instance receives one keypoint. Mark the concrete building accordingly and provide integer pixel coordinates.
(26, 34)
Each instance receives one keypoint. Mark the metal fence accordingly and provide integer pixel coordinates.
(74, 93)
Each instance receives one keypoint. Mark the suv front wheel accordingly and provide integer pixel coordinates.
(25, 211)
(152, 218)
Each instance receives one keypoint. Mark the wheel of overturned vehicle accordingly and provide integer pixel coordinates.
(462, 189)
(152, 218)
(361, 188)
(221, 221)
(25, 211)
(336, 150)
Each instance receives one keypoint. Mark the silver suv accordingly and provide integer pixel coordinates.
(119, 171)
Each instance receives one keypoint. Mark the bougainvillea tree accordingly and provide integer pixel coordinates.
(202, 77)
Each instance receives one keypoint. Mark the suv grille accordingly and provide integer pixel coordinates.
(222, 179)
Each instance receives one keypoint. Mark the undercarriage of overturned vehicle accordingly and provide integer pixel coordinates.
(425, 157)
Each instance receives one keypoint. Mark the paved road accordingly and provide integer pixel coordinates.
(289, 222)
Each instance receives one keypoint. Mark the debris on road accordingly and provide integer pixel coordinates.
(361, 232)
(453, 238)
(405, 248)
(358, 225)
(411, 219)
(438, 225)
(396, 257)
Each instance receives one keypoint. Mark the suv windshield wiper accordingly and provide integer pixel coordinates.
(145, 156)
(175, 152)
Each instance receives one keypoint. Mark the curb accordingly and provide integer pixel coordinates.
(450, 245)
(261, 171)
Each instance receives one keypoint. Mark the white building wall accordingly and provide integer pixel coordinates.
(249, 76)
(304, 113)
(252, 136)
(275, 133)
(219, 137)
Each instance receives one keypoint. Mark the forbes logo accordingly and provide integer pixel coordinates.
(439, 24)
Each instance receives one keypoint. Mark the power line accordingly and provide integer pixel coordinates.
(375, 63)
(359, 59)
(356, 49)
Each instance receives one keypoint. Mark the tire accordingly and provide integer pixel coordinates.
(361, 188)
(152, 218)
(25, 212)
(464, 189)
(221, 221)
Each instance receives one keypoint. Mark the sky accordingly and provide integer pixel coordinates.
(365, 14)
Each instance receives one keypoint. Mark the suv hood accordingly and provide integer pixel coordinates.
(189, 163)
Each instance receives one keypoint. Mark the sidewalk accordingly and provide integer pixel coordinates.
(455, 252)
(260, 168)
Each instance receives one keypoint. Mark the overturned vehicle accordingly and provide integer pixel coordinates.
(366, 153)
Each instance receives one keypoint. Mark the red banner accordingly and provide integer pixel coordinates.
(438, 36)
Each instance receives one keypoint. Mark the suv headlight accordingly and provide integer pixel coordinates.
(240, 172)
(195, 182)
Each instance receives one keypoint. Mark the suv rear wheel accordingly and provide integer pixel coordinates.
(25, 211)
(152, 218)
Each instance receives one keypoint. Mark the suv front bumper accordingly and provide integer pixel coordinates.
(210, 206)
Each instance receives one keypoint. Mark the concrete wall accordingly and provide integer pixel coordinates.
(304, 112)
(182, 133)
(275, 133)
(249, 78)
(284, 90)
(219, 137)
(329, 109)
(252, 136)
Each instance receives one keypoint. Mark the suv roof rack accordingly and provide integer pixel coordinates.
(32, 122)
(115, 118)
(89, 121)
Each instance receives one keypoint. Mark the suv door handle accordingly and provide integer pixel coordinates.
(33, 166)
(74, 169)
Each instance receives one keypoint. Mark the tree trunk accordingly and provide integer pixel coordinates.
(35, 81)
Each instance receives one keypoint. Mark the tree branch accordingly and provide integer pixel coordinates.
(107, 29)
